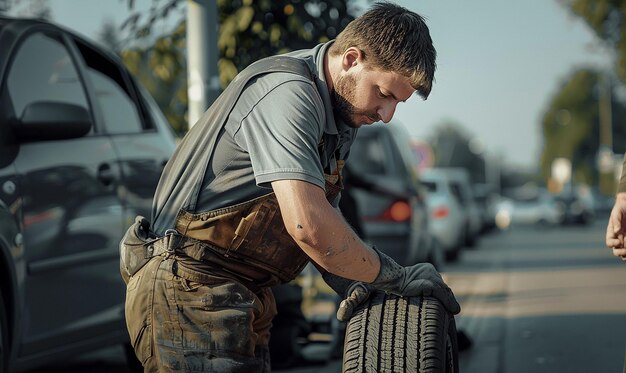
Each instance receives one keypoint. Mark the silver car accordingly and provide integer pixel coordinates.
(448, 218)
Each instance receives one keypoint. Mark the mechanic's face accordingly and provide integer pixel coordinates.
(363, 96)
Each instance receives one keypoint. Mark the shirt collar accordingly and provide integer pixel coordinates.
(331, 126)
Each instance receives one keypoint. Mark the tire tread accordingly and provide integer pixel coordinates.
(398, 334)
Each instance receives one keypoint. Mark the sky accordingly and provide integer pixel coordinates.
(498, 64)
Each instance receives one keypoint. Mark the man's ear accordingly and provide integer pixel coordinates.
(351, 57)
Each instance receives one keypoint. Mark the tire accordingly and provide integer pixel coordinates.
(399, 334)
(4, 338)
(453, 255)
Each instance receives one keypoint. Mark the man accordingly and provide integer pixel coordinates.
(616, 228)
(249, 198)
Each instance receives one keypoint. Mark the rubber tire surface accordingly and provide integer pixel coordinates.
(398, 334)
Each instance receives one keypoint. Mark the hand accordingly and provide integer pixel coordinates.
(417, 280)
(423, 279)
(358, 293)
(353, 292)
(616, 227)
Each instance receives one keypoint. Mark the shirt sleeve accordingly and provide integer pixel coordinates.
(281, 134)
(622, 181)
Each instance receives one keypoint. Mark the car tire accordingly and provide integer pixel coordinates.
(452, 255)
(4, 338)
(401, 334)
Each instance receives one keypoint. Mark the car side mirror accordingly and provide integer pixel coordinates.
(48, 120)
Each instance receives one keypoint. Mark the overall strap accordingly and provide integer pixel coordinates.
(201, 139)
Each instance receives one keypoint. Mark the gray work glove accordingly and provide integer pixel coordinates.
(352, 292)
(358, 293)
(420, 279)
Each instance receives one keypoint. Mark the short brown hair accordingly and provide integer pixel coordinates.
(392, 38)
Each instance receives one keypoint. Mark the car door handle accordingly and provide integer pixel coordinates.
(105, 174)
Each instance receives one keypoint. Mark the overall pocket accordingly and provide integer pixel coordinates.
(137, 312)
(135, 248)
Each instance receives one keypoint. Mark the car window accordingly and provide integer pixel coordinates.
(430, 186)
(396, 163)
(458, 193)
(42, 70)
(118, 108)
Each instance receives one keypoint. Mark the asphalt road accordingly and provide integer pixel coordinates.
(534, 299)
(542, 300)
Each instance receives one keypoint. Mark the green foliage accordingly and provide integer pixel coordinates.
(571, 125)
(249, 30)
(160, 68)
(607, 19)
(454, 148)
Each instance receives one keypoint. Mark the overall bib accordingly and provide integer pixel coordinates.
(199, 298)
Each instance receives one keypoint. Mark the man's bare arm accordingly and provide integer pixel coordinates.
(322, 232)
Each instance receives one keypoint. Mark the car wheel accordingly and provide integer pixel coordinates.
(4, 338)
(452, 255)
(401, 334)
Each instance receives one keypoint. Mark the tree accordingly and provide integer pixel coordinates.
(160, 67)
(453, 147)
(571, 126)
(249, 30)
(109, 36)
(607, 18)
(39, 9)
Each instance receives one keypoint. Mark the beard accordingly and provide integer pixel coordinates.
(342, 97)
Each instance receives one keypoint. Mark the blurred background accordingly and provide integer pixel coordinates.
(523, 136)
(522, 92)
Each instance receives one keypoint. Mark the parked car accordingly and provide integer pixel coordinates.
(578, 204)
(82, 147)
(393, 207)
(536, 207)
(448, 217)
(487, 200)
(462, 189)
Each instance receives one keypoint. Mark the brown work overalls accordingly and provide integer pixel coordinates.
(199, 299)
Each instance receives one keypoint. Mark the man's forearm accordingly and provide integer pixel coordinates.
(335, 247)
(322, 233)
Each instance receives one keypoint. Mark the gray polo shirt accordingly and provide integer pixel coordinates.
(282, 128)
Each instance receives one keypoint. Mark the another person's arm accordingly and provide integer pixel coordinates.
(616, 227)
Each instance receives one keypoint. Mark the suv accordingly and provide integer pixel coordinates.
(82, 147)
